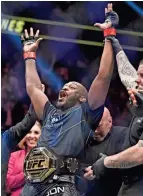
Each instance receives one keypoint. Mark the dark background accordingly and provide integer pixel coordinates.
(60, 62)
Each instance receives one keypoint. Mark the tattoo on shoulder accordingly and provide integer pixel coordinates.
(121, 165)
(140, 143)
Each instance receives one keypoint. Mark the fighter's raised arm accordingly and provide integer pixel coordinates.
(130, 77)
(33, 83)
(99, 88)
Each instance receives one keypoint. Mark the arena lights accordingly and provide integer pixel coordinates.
(135, 7)
(64, 24)
(49, 77)
(15, 25)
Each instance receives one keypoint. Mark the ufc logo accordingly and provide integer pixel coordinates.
(32, 164)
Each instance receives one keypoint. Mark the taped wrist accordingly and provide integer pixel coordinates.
(115, 44)
(109, 32)
(29, 55)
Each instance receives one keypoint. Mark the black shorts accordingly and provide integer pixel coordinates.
(56, 189)
(132, 189)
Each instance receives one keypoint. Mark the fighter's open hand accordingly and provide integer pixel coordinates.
(111, 20)
(30, 42)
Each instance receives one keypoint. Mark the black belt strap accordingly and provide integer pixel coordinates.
(63, 178)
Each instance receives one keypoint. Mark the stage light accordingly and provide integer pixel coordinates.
(135, 7)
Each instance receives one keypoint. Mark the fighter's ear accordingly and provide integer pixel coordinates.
(82, 99)
(110, 120)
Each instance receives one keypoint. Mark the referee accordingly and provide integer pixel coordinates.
(130, 160)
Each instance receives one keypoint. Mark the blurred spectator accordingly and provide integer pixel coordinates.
(9, 86)
(13, 112)
(7, 115)
(13, 93)
(9, 140)
(63, 72)
(15, 175)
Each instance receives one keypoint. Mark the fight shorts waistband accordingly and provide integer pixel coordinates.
(63, 178)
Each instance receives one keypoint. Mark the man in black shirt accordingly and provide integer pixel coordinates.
(132, 157)
(129, 160)
(107, 139)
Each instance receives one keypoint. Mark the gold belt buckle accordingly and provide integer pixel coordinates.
(39, 164)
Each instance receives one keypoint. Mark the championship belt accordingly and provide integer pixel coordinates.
(39, 164)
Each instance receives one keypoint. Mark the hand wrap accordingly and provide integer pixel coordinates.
(113, 18)
(29, 41)
(98, 167)
(115, 44)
